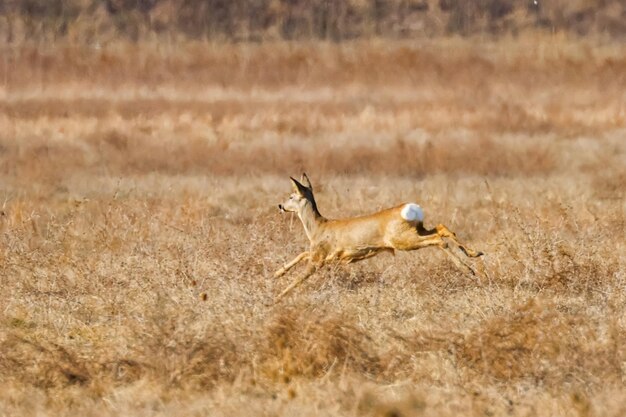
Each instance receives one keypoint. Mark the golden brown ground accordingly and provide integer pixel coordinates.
(136, 179)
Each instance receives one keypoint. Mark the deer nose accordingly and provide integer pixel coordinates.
(280, 207)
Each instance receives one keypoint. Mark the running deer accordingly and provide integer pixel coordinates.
(353, 239)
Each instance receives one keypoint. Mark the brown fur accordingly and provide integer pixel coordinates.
(353, 239)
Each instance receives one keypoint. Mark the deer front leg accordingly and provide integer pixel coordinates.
(310, 271)
(291, 264)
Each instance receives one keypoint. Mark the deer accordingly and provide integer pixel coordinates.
(353, 239)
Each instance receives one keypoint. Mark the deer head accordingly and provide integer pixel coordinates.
(301, 198)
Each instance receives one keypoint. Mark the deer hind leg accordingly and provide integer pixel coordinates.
(417, 241)
(291, 264)
(443, 231)
(458, 261)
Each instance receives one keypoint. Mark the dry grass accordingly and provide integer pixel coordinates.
(139, 232)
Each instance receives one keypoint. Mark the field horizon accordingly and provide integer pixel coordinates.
(139, 227)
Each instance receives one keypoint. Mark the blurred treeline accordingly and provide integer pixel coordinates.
(255, 20)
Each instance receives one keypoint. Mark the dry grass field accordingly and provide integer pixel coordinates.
(139, 230)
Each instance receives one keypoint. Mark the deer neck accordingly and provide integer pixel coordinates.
(311, 220)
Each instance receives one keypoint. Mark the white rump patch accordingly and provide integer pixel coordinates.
(412, 212)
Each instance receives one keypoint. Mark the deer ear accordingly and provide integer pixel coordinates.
(297, 187)
(305, 180)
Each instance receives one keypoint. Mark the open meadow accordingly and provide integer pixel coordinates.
(139, 230)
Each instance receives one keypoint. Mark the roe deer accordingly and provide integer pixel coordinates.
(353, 239)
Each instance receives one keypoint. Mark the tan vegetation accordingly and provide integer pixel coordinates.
(139, 228)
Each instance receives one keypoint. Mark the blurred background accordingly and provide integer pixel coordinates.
(337, 20)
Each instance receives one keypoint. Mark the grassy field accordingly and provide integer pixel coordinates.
(139, 230)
